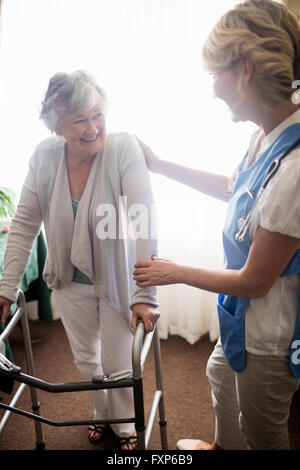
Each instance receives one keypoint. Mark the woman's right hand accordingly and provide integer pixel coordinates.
(5, 305)
(151, 159)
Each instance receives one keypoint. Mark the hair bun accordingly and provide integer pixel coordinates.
(54, 84)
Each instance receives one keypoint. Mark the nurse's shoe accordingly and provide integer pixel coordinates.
(196, 444)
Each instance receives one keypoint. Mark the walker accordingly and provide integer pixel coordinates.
(129, 378)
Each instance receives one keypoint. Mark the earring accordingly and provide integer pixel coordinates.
(296, 94)
(296, 97)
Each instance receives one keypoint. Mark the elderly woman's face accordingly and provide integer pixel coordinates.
(84, 132)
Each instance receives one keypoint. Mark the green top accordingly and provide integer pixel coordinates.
(32, 283)
(78, 275)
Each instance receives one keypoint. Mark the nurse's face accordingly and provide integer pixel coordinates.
(232, 88)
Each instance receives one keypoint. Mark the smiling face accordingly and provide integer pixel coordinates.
(233, 86)
(225, 86)
(84, 132)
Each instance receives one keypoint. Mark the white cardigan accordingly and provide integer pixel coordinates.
(118, 172)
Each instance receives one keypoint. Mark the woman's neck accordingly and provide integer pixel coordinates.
(269, 120)
(77, 159)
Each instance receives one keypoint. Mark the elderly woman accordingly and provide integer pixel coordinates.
(79, 183)
(254, 54)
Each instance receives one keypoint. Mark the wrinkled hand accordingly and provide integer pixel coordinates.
(5, 305)
(151, 159)
(148, 313)
(158, 272)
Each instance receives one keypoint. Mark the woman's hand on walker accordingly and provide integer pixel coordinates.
(148, 313)
(5, 305)
(158, 272)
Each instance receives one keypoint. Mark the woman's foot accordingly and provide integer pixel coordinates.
(128, 443)
(97, 432)
(196, 444)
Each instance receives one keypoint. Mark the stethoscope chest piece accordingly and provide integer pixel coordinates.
(240, 223)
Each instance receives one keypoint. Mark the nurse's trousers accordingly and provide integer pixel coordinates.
(251, 407)
(101, 342)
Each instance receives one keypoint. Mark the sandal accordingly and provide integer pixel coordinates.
(131, 440)
(100, 429)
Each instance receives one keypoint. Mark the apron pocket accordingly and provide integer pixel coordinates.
(232, 329)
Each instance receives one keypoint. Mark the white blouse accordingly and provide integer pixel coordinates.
(270, 321)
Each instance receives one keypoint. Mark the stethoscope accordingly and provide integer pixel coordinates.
(243, 223)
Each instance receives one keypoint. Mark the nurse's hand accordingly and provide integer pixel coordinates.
(158, 272)
(148, 313)
(152, 160)
(5, 305)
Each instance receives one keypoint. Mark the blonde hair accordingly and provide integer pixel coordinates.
(266, 32)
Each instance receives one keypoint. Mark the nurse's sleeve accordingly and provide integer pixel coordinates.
(136, 187)
(280, 204)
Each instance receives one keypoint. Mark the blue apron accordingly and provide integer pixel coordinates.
(232, 310)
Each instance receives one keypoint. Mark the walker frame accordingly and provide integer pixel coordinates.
(134, 379)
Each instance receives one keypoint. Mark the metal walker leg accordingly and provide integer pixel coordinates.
(21, 315)
(144, 431)
(159, 385)
(35, 405)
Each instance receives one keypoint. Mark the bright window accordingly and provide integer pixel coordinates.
(146, 55)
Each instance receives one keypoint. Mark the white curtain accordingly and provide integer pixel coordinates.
(146, 55)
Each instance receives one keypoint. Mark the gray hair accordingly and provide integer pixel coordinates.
(71, 93)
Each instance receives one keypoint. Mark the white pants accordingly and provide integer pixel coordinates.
(101, 342)
(251, 407)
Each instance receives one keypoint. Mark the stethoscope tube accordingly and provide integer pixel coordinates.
(240, 235)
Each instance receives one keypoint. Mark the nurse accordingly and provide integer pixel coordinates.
(253, 53)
